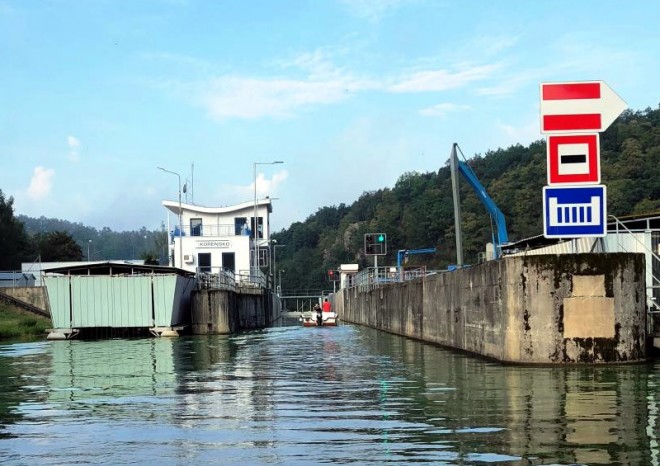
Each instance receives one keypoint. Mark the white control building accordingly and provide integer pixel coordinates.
(211, 239)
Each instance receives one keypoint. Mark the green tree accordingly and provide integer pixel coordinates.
(150, 258)
(14, 243)
(57, 246)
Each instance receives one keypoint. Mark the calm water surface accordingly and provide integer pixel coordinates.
(292, 395)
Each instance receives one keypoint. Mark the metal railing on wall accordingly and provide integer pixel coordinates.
(653, 305)
(373, 277)
(16, 279)
(215, 230)
(220, 278)
(215, 278)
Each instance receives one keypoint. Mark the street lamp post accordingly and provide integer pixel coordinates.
(273, 245)
(255, 259)
(279, 287)
(180, 218)
(88, 243)
(274, 257)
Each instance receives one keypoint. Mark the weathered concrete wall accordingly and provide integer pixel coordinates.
(35, 295)
(556, 309)
(225, 312)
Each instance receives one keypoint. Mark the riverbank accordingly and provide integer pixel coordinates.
(14, 323)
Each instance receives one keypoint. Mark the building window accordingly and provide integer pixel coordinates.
(195, 227)
(260, 226)
(241, 226)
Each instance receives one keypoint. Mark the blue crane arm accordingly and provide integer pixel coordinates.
(402, 252)
(500, 223)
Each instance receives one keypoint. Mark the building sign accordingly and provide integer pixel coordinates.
(214, 244)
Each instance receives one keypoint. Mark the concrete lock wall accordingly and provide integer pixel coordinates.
(553, 309)
(226, 312)
(35, 295)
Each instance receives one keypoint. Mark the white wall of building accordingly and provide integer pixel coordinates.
(216, 231)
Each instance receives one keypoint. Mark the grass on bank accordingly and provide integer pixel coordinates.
(14, 323)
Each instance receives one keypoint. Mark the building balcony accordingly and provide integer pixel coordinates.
(218, 230)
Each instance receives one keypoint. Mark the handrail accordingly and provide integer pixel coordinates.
(217, 278)
(650, 300)
(373, 277)
(654, 255)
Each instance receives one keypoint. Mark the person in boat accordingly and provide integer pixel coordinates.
(317, 314)
(327, 307)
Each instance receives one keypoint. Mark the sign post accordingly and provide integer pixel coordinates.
(375, 244)
(572, 115)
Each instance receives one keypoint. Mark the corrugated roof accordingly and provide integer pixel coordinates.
(117, 268)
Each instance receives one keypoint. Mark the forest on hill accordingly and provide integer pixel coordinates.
(417, 212)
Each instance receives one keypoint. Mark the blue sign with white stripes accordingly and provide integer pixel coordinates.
(574, 211)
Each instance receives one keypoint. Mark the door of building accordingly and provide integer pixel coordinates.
(229, 261)
(204, 262)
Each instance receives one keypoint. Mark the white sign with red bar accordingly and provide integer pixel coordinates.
(573, 159)
(578, 107)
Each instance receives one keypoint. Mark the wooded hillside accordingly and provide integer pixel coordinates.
(418, 211)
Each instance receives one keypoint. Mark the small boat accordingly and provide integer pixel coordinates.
(329, 319)
(311, 319)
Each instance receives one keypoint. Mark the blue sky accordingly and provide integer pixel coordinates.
(95, 94)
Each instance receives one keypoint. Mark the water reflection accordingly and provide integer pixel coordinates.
(306, 396)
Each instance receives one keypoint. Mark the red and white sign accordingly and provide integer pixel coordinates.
(578, 107)
(573, 159)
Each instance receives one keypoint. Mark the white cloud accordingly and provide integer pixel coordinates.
(524, 134)
(266, 187)
(314, 80)
(442, 80)
(236, 194)
(41, 183)
(441, 110)
(256, 98)
(252, 98)
(73, 142)
(74, 145)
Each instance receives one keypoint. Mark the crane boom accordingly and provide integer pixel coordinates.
(401, 253)
(500, 237)
(493, 210)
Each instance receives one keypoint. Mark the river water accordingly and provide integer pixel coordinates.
(293, 395)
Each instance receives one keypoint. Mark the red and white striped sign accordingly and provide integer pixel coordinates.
(578, 107)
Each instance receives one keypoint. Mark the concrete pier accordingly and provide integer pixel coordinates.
(552, 309)
(226, 311)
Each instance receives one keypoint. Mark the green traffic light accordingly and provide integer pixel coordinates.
(381, 238)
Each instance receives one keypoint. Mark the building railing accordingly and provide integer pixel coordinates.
(653, 306)
(373, 277)
(216, 278)
(210, 230)
(220, 278)
(18, 279)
